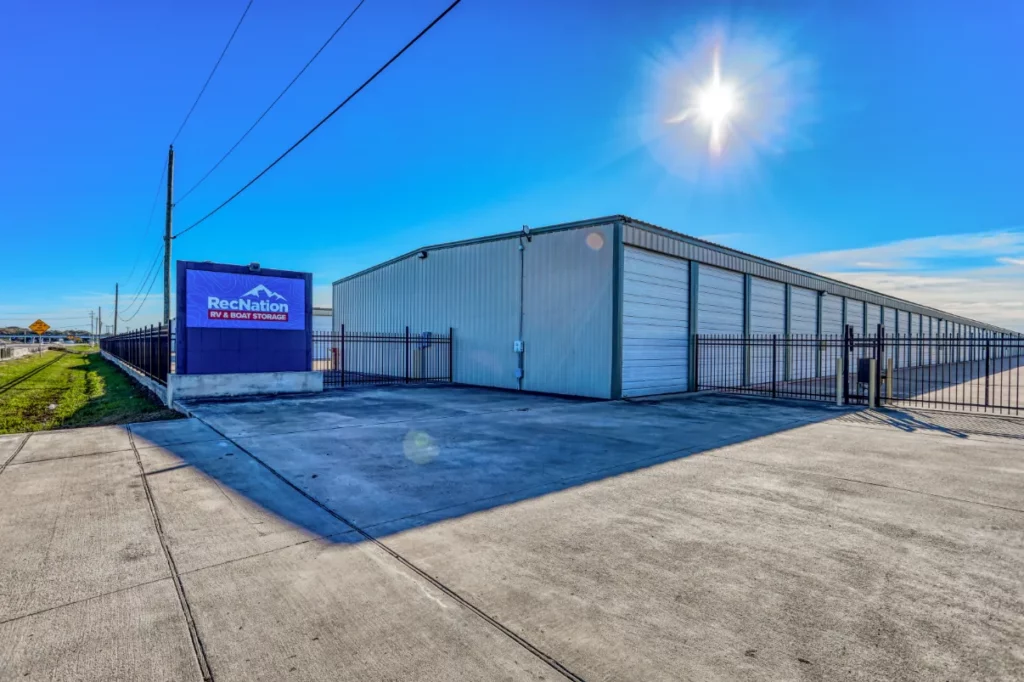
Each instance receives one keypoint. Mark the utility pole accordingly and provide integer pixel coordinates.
(92, 325)
(167, 235)
(99, 321)
(116, 292)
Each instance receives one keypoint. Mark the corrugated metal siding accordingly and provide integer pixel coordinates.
(767, 317)
(567, 320)
(720, 311)
(655, 323)
(660, 240)
(474, 288)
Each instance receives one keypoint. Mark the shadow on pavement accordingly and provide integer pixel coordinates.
(387, 460)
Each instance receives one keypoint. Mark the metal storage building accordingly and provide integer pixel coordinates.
(607, 308)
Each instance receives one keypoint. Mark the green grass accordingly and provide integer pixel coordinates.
(54, 390)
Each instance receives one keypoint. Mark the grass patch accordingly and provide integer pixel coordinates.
(55, 390)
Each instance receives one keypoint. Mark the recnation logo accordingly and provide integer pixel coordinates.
(235, 300)
(258, 304)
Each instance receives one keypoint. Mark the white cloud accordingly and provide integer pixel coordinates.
(925, 271)
(909, 254)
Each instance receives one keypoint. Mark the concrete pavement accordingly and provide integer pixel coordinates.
(457, 534)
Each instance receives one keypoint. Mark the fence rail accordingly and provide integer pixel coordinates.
(967, 373)
(351, 358)
(147, 350)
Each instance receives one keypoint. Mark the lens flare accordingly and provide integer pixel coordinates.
(721, 99)
(712, 107)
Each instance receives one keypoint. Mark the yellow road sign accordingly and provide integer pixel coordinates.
(39, 327)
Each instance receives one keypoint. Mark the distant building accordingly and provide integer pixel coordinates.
(321, 319)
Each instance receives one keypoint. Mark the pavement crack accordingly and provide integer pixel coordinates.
(16, 451)
(186, 609)
(863, 482)
(436, 582)
(80, 601)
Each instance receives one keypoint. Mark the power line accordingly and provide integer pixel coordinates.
(143, 302)
(272, 104)
(336, 109)
(150, 274)
(149, 223)
(212, 71)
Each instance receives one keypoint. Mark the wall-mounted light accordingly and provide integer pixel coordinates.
(254, 267)
(421, 255)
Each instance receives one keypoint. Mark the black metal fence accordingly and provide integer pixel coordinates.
(952, 372)
(6, 352)
(802, 367)
(148, 350)
(967, 373)
(352, 358)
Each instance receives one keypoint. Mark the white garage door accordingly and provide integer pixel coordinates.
(855, 316)
(832, 329)
(655, 323)
(889, 320)
(874, 318)
(720, 311)
(803, 327)
(767, 318)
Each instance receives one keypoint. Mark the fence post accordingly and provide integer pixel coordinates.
(342, 355)
(872, 383)
(406, 353)
(775, 355)
(696, 362)
(987, 345)
(451, 354)
(847, 354)
(839, 381)
(889, 377)
(879, 356)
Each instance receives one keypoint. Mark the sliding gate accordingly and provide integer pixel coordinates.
(963, 373)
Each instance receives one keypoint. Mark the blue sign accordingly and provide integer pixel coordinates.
(229, 300)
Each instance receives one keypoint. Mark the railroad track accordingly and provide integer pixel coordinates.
(14, 382)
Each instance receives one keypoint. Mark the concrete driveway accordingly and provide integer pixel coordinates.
(452, 533)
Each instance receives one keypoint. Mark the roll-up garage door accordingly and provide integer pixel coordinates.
(928, 347)
(874, 318)
(767, 318)
(889, 321)
(803, 326)
(655, 324)
(720, 311)
(855, 316)
(832, 330)
(915, 336)
(903, 326)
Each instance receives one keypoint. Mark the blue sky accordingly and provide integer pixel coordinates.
(885, 128)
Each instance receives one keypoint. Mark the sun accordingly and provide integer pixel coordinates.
(714, 105)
